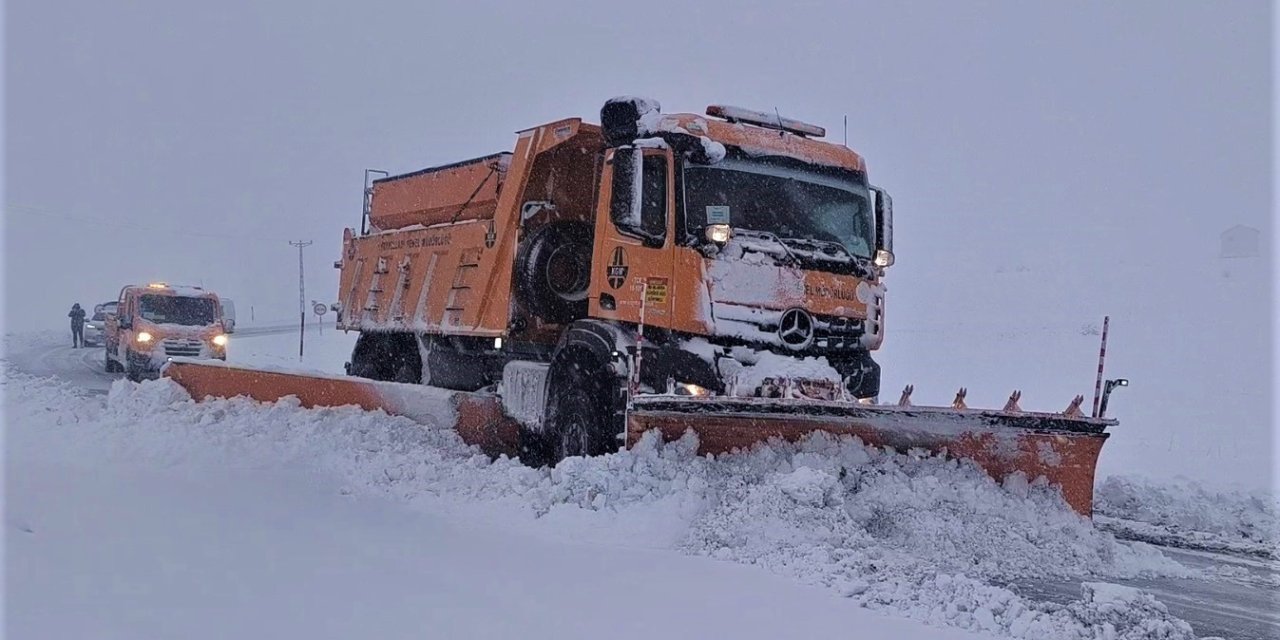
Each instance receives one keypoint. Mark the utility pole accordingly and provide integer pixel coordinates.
(302, 305)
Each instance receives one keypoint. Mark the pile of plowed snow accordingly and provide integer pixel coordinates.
(1186, 513)
(915, 536)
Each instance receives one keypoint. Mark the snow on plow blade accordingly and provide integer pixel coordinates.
(1062, 449)
(478, 419)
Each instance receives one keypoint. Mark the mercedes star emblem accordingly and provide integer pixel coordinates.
(796, 329)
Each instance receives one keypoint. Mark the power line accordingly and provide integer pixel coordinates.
(109, 223)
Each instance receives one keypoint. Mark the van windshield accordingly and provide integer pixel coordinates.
(178, 310)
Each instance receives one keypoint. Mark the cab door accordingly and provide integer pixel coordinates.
(634, 244)
(116, 324)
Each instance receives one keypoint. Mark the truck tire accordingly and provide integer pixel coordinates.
(580, 417)
(388, 357)
(131, 371)
(553, 272)
(861, 374)
(111, 365)
(447, 367)
(404, 357)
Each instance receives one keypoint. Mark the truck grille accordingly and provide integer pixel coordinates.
(831, 332)
(182, 347)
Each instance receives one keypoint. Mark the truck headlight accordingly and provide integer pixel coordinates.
(883, 258)
(689, 389)
(719, 233)
(220, 340)
(143, 337)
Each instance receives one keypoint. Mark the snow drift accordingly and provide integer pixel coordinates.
(910, 535)
(1189, 514)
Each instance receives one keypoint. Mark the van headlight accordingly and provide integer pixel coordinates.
(143, 337)
(220, 340)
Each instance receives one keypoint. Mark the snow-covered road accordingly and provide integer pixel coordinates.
(149, 516)
(208, 550)
(1243, 602)
(47, 354)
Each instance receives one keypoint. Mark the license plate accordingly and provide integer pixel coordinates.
(807, 388)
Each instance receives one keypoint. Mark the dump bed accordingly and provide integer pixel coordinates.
(466, 190)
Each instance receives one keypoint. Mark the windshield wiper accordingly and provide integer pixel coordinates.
(821, 245)
(770, 236)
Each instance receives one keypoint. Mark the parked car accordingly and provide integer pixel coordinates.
(96, 327)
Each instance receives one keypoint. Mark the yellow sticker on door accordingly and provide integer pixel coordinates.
(655, 291)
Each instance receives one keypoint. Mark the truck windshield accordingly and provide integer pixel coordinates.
(178, 310)
(799, 206)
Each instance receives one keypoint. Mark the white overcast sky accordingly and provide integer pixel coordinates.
(1050, 163)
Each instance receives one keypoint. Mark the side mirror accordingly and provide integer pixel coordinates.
(884, 227)
(627, 206)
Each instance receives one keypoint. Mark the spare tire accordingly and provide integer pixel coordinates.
(553, 272)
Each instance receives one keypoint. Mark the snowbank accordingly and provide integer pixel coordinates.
(911, 536)
(1187, 513)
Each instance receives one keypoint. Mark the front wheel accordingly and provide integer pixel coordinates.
(580, 419)
(861, 374)
(132, 371)
(111, 365)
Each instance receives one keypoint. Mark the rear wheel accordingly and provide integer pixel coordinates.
(448, 367)
(390, 357)
(404, 357)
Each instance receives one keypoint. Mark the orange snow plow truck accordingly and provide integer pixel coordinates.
(670, 272)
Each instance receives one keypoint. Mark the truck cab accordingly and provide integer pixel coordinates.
(741, 234)
(157, 322)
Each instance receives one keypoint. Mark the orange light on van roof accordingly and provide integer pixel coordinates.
(157, 285)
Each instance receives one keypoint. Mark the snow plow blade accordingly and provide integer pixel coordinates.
(477, 418)
(1061, 448)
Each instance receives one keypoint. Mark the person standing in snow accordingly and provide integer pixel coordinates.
(77, 326)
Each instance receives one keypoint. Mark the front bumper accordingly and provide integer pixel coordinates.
(150, 362)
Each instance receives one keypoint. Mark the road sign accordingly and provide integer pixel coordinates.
(319, 308)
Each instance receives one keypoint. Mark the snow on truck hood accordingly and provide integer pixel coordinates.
(741, 275)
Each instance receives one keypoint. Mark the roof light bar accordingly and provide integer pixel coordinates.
(768, 120)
